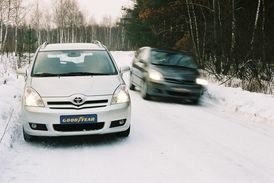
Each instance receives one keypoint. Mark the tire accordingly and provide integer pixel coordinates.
(131, 85)
(124, 133)
(27, 137)
(196, 101)
(144, 89)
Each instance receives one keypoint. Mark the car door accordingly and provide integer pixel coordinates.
(139, 66)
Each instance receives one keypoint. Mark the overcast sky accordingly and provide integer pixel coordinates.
(100, 8)
(96, 8)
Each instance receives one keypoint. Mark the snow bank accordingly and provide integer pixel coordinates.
(254, 105)
(10, 96)
(7, 65)
(123, 58)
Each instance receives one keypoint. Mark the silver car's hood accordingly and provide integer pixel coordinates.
(67, 86)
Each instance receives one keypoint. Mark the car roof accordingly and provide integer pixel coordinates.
(167, 50)
(71, 46)
(172, 50)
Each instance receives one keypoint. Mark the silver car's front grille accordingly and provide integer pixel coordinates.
(70, 105)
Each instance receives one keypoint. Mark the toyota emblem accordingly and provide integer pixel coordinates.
(78, 101)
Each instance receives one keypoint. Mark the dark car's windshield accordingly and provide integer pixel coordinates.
(73, 63)
(172, 59)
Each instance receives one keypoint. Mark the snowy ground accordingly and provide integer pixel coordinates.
(227, 139)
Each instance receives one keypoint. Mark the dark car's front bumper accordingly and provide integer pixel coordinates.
(175, 90)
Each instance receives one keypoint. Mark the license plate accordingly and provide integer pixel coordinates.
(183, 90)
(78, 119)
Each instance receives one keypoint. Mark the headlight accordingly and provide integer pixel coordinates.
(32, 98)
(120, 95)
(201, 81)
(155, 75)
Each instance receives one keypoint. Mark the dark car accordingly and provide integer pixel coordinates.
(166, 73)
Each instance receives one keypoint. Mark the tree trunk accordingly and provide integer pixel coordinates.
(1, 29)
(255, 26)
(233, 28)
(196, 33)
(7, 26)
(216, 58)
(191, 27)
(204, 36)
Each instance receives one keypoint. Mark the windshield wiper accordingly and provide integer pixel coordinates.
(161, 64)
(183, 66)
(45, 75)
(70, 74)
(172, 65)
(83, 74)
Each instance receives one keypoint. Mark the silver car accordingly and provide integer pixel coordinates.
(74, 89)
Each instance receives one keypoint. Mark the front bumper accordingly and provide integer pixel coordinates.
(174, 90)
(51, 119)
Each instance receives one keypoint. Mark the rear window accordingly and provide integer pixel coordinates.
(172, 59)
(73, 63)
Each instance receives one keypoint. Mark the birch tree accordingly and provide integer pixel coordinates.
(255, 25)
(18, 19)
(8, 19)
(36, 22)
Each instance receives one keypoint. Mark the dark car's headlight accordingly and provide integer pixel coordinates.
(155, 75)
(32, 98)
(201, 81)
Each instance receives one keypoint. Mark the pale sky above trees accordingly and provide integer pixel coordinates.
(96, 9)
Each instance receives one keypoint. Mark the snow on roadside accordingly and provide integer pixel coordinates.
(10, 96)
(123, 58)
(253, 105)
(6, 68)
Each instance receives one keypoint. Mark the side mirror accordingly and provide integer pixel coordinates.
(142, 61)
(124, 69)
(21, 71)
(135, 54)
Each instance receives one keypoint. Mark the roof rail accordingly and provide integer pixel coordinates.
(97, 42)
(44, 44)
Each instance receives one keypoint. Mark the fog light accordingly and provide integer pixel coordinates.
(118, 123)
(122, 122)
(33, 126)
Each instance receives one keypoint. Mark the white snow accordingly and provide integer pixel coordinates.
(253, 105)
(10, 95)
(228, 138)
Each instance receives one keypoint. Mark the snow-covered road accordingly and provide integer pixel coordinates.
(169, 143)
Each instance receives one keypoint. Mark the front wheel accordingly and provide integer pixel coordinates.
(124, 133)
(27, 137)
(144, 91)
(196, 101)
(131, 86)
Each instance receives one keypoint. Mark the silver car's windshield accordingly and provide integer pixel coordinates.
(172, 59)
(73, 63)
